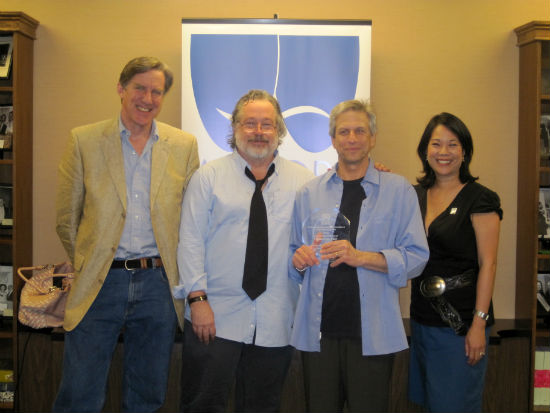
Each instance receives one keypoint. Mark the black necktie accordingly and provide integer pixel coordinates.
(257, 248)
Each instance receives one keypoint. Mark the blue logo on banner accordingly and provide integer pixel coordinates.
(308, 75)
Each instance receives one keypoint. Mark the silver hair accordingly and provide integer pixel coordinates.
(357, 106)
(251, 95)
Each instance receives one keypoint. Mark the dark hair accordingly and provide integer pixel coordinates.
(459, 129)
(144, 64)
(251, 95)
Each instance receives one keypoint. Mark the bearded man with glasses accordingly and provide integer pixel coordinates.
(232, 256)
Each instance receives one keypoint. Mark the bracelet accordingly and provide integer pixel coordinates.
(481, 315)
(197, 298)
(300, 270)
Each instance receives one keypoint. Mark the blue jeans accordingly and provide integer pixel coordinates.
(138, 303)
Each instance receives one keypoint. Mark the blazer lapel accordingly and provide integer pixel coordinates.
(158, 166)
(112, 151)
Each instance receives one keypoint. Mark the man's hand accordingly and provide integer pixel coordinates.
(202, 318)
(305, 255)
(339, 252)
(342, 252)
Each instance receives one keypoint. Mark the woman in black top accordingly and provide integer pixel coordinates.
(449, 331)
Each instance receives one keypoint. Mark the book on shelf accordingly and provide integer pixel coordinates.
(6, 49)
(545, 81)
(6, 290)
(6, 386)
(541, 393)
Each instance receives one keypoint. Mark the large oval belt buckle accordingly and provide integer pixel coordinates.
(433, 286)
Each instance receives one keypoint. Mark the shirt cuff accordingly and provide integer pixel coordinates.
(178, 291)
(397, 274)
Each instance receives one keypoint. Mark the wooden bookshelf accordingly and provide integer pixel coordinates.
(534, 53)
(16, 169)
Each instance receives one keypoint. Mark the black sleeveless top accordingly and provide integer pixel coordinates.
(453, 250)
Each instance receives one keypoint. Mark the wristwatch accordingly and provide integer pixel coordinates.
(202, 297)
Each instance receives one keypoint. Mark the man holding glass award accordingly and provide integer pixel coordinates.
(357, 239)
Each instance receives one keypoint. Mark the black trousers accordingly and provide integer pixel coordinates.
(209, 371)
(339, 374)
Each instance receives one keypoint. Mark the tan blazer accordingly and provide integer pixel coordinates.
(91, 204)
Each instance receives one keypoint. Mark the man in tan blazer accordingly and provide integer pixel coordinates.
(121, 184)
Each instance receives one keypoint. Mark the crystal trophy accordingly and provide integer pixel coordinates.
(325, 225)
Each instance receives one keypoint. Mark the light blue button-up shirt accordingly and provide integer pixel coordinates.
(212, 247)
(138, 239)
(389, 223)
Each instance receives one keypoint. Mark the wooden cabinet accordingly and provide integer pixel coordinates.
(16, 91)
(533, 256)
(506, 373)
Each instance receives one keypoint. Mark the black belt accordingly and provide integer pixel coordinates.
(433, 289)
(138, 263)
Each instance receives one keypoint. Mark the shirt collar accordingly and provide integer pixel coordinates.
(241, 162)
(125, 133)
(372, 176)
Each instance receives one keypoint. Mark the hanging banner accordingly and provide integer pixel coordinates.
(309, 66)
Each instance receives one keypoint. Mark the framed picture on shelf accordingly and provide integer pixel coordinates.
(544, 213)
(545, 140)
(543, 298)
(6, 126)
(6, 212)
(6, 47)
(6, 290)
(544, 280)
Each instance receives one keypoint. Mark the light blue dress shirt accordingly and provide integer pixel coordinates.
(138, 239)
(212, 247)
(389, 223)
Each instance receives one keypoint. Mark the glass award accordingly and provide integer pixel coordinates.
(325, 225)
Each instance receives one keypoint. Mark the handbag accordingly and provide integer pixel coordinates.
(44, 295)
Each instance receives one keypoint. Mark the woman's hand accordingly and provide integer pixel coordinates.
(381, 167)
(475, 343)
